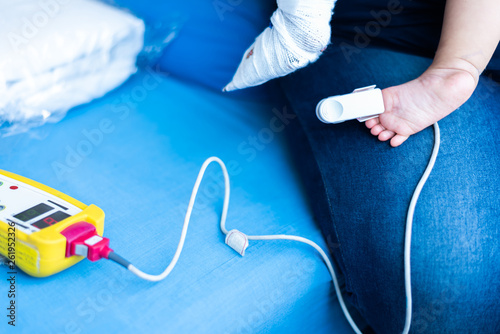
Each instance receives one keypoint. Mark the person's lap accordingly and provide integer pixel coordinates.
(360, 190)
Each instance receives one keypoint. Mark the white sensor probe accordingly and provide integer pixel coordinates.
(362, 104)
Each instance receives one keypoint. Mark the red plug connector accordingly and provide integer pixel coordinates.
(82, 239)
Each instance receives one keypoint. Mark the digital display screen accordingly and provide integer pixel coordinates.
(51, 220)
(33, 212)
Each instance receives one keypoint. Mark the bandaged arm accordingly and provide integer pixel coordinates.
(298, 34)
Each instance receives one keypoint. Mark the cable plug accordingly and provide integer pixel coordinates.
(82, 240)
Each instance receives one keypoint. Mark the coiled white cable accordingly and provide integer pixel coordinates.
(407, 243)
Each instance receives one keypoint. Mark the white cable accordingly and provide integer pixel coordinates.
(409, 222)
(156, 278)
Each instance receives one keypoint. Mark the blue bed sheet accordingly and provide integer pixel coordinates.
(136, 153)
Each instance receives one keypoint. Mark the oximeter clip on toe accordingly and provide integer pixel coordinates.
(362, 104)
(43, 231)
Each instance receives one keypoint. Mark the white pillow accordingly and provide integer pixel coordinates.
(57, 54)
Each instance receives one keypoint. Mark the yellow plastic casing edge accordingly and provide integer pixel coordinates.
(43, 253)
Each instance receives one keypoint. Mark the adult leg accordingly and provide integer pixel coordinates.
(362, 188)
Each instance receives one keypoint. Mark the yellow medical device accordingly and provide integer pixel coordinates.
(40, 226)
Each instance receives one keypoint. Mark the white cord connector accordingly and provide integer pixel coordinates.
(237, 241)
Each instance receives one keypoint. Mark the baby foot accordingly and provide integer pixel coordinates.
(415, 105)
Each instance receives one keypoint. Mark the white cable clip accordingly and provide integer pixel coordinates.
(363, 104)
(238, 241)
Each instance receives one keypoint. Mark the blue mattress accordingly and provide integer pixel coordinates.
(157, 133)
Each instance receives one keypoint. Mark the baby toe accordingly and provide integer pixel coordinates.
(398, 140)
(372, 122)
(386, 135)
(377, 129)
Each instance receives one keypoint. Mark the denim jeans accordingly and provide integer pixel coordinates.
(360, 190)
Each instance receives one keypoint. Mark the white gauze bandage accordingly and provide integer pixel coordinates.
(298, 34)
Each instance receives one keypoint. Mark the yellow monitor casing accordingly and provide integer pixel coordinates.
(32, 217)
